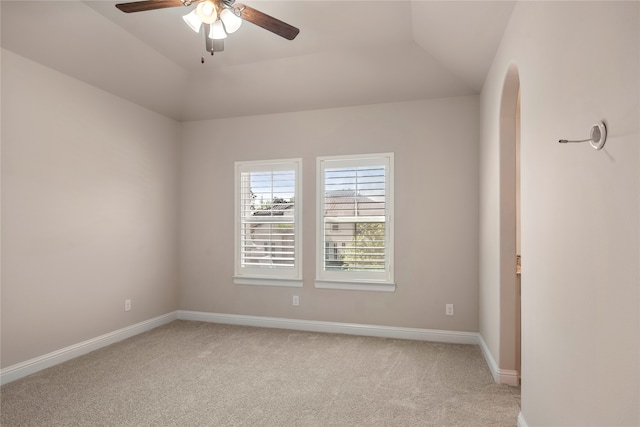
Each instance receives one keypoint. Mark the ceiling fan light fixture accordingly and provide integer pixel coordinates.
(219, 17)
(193, 21)
(230, 20)
(207, 12)
(217, 31)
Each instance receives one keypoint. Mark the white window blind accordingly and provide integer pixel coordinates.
(355, 229)
(268, 221)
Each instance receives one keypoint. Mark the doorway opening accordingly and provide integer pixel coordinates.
(510, 255)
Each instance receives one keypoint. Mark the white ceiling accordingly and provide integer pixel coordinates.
(347, 53)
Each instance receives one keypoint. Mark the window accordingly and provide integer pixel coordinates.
(268, 223)
(355, 226)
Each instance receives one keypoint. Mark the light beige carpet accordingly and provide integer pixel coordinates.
(197, 374)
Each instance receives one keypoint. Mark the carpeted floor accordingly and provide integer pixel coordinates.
(197, 374)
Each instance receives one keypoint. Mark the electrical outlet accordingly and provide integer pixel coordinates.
(296, 300)
(449, 309)
(127, 305)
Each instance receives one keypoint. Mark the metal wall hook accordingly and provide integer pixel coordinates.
(598, 136)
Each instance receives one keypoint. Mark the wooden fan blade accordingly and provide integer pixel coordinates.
(269, 23)
(141, 6)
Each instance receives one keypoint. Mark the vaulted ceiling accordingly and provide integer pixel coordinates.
(347, 53)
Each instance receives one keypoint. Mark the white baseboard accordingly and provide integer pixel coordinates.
(500, 376)
(334, 327)
(509, 377)
(491, 362)
(521, 421)
(31, 366)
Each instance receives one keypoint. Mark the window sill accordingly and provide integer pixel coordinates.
(268, 281)
(356, 286)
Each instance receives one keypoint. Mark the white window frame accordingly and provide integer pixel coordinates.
(354, 280)
(289, 277)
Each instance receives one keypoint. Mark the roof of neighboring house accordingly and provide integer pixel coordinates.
(347, 202)
(277, 209)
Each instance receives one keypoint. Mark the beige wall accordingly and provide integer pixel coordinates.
(436, 211)
(89, 211)
(578, 63)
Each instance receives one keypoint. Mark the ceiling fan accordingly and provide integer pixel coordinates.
(218, 17)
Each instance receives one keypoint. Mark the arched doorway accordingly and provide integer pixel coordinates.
(509, 228)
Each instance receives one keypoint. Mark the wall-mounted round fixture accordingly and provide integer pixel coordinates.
(598, 135)
(597, 139)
